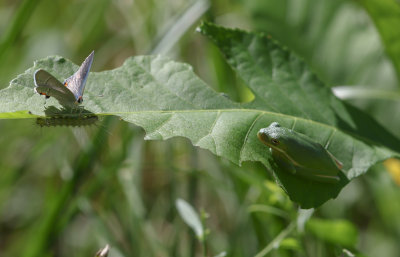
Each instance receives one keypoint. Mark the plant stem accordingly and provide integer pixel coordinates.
(277, 240)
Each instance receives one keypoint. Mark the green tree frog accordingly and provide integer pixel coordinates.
(298, 154)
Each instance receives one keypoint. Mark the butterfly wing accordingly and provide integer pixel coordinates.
(76, 83)
(46, 84)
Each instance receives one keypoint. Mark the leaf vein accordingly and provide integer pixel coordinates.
(247, 135)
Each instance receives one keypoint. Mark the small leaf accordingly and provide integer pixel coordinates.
(291, 244)
(190, 217)
(221, 254)
(338, 232)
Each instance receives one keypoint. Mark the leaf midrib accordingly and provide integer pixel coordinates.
(317, 123)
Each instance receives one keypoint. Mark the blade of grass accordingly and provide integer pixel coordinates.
(42, 236)
(17, 24)
(180, 26)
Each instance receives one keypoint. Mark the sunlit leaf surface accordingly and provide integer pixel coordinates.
(167, 99)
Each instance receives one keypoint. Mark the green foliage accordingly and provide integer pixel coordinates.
(336, 232)
(167, 99)
(386, 16)
(343, 46)
(70, 191)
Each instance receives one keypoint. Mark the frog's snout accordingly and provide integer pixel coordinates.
(262, 136)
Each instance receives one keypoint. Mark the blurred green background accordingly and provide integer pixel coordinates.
(69, 191)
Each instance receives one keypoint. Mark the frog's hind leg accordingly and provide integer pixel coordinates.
(284, 164)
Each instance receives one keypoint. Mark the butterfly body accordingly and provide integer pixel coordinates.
(70, 92)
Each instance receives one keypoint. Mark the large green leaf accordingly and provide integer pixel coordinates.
(167, 99)
(339, 39)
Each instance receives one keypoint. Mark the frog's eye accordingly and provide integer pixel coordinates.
(275, 141)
